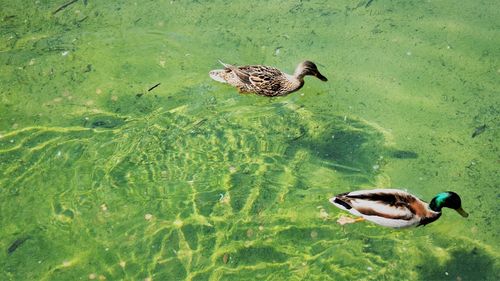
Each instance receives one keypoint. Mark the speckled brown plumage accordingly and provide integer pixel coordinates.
(265, 80)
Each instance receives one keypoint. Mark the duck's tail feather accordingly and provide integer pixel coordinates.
(340, 203)
(225, 64)
(216, 74)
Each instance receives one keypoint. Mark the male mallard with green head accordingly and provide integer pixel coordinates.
(265, 80)
(395, 208)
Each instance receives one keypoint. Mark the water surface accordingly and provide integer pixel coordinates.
(103, 179)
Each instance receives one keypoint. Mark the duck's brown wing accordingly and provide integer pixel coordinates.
(263, 79)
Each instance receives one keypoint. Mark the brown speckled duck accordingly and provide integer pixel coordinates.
(395, 208)
(265, 80)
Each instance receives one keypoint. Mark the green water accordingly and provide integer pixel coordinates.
(105, 180)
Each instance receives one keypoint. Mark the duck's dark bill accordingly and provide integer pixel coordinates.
(462, 212)
(321, 77)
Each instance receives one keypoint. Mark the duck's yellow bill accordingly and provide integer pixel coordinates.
(462, 212)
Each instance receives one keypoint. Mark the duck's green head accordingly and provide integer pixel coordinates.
(447, 199)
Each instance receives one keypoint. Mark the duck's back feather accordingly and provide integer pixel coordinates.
(264, 80)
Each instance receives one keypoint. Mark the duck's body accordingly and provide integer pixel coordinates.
(265, 80)
(396, 208)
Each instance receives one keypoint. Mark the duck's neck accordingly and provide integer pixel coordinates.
(299, 73)
(434, 207)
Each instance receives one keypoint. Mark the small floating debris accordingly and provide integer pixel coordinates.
(404, 154)
(153, 87)
(479, 130)
(368, 3)
(149, 90)
(225, 258)
(92, 276)
(277, 50)
(63, 6)
(148, 217)
(65, 53)
(123, 264)
(104, 208)
(13, 247)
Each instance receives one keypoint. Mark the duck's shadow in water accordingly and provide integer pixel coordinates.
(464, 264)
(349, 145)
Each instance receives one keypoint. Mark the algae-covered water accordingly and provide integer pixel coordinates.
(104, 177)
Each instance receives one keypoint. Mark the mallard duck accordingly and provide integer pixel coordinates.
(265, 80)
(395, 208)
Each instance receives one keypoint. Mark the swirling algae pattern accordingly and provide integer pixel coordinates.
(219, 192)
